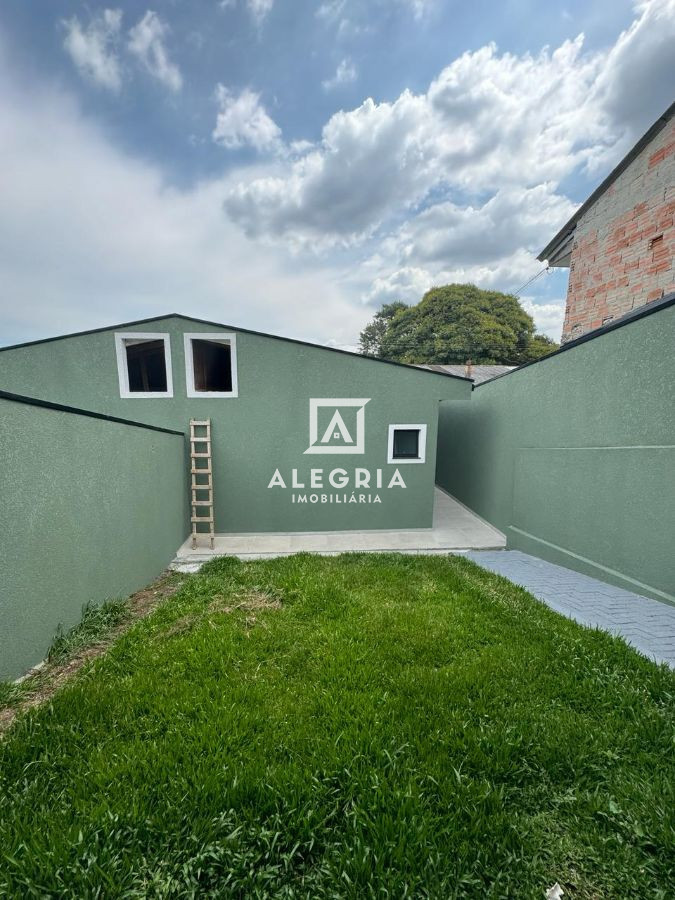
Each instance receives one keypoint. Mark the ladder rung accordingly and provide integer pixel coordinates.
(203, 442)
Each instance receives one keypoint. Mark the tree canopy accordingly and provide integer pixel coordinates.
(454, 323)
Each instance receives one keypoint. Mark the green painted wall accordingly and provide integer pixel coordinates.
(89, 511)
(574, 458)
(266, 426)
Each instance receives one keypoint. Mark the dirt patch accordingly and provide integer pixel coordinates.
(41, 683)
(252, 600)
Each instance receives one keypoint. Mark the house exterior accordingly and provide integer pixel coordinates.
(95, 469)
(619, 245)
(304, 438)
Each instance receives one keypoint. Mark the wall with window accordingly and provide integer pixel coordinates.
(91, 509)
(304, 438)
(573, 457)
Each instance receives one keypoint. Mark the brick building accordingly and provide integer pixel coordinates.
(619, 245)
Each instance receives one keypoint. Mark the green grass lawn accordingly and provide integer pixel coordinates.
(355, 726)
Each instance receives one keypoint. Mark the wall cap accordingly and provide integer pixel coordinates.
(60, 407)
(640, 312)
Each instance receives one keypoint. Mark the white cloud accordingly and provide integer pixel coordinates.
(369, 161)
(344, 74)
(638, 69)
(242, 120)
(488, 121)
(407, 284)
(512, 218)
(94, 49)
(331, 10)
(472, 167)
(146, 43)
(91, 235)
(352, 19)
(419, 7)
(258, 9)
(548, 317)
(460, 182)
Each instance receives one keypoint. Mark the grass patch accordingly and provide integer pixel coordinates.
(71, 650)
(355, 726)
(98, 620)
(10, 694)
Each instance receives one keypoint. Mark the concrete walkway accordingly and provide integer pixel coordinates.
(647, 625)
(454, 528)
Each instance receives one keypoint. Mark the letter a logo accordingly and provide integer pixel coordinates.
(337, 429)
(327, 418)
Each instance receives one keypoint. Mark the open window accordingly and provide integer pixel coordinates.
(407, 444)
(211, 365)
(144, 364)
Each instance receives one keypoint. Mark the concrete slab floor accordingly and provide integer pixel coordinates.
(455, 528)
(646, 624)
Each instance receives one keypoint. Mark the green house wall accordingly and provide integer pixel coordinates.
(573, 458)
(266, 427)
(89, 511)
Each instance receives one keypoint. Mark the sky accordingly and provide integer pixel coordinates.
(288, 166)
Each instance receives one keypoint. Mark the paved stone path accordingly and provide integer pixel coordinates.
(646, 624)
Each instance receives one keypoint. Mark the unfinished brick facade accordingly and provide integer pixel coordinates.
(622, 254)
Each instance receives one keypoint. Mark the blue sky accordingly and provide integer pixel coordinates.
(289, 166)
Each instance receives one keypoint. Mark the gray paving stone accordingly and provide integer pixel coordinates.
(646, 624)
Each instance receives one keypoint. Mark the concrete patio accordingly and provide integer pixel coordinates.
(454, 528)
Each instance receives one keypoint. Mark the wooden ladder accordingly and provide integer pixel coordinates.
(201, 473)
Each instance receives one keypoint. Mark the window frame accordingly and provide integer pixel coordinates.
(421, 445)
(123, 370)
(218, 337)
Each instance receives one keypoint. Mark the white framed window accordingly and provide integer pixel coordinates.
(144, 364)
(407, 444)
(211, 364)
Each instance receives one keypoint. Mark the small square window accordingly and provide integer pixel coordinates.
(407, 444)
(144, 364)
(211, 365)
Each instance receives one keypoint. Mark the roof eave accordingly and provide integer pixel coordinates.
(568, 227)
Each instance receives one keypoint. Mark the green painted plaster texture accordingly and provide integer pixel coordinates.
(90, 510)
(267, 426)
(573, 458)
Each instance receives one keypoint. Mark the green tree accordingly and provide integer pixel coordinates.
(454, 323)
(370, 342)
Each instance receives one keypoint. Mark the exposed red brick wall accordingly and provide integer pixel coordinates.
(624, 245)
